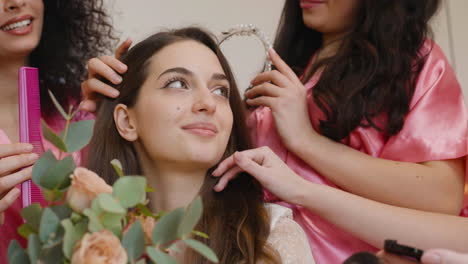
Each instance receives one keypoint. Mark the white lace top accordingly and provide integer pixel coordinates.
(287, 237)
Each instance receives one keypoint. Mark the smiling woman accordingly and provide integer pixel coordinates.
(178, 115)
(56, 37)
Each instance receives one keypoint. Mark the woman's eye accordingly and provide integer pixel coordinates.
(176, 84)
(223, 91)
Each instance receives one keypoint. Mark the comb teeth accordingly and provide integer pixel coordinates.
(30, 124)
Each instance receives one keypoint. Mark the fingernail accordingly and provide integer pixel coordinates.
(28, 147)
(115, 93)
(33, 156)
(116, 78)
(432, 258)
(122, 67)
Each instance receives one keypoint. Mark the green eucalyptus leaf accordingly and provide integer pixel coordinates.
(130, 190)
(159, 257)
(16, 254)
(32, 215)
(50, 135)
(62, 211)
(58, 106)
(79, 135)
(25, 230)
(73, 233)
(58, 175)
(94, 224)
(166, 228)
(109, 204)
(49, 224)
(41, 166)
(34, 248)
(117, 167)
(202, 249)
(192, 215)
(134, 241)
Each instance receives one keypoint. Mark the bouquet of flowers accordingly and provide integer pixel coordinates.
(88, 221)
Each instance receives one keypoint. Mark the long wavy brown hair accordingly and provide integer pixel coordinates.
(235, 219)
(375, 69)
(73, 32)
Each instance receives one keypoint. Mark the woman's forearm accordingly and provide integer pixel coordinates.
(432, 186)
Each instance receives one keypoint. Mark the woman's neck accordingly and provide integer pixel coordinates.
(174, 186)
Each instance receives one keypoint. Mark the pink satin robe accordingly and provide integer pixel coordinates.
(13, 219)
(434, 129)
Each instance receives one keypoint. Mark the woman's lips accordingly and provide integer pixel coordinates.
(202, 129)
(306, 4)
(18, 26)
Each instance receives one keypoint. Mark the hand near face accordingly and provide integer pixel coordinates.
(283, 92)
(107, 67)
(263, 164)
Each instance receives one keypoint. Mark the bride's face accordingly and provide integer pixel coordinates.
(182, 115)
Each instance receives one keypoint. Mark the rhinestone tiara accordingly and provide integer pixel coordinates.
(249, 30)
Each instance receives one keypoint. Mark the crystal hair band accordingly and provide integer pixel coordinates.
(249, 30)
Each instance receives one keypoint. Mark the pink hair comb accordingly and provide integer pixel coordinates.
(30, 125)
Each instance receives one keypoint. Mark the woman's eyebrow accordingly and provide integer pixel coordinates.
(219, 77)
(180, 70)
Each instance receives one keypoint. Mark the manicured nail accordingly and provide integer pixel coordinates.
(116, 78)
(28, 147)
(432, 258)
(115, 93)
(33, 157)
(122, 67)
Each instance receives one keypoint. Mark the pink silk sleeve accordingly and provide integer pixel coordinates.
(436, 126)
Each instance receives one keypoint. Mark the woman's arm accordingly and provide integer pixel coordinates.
(431, 186)
(435, 186)
(369, 220)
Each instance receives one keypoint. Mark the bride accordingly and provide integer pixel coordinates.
(178, 115)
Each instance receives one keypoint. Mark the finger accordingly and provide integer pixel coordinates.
(261, 101)
(99, 67)
(10, 181)
(14, 163)
(88, 106)
(282, 67)
(9, 199)
(249, 165)
(123, 48)
(14, 149)
(443, 256)
(115, 64)
(273, 76)
(93, 86)
(224, 166)
(264, 89)
(226, 178)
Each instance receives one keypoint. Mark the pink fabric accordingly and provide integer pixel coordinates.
(8, 231)
(435, 129)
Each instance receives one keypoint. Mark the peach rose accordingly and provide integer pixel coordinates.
(101, 247)
(85, 186)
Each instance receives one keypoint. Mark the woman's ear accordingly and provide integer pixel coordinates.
(125, 124)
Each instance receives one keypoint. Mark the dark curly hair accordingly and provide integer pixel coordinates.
(73, 32)
(375, 69)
